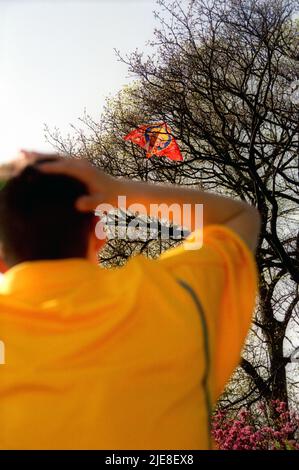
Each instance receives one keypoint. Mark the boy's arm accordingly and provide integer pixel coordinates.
(237, 215)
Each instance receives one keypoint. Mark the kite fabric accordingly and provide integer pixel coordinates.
(157, 140)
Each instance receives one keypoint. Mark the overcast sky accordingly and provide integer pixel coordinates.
(57, 58)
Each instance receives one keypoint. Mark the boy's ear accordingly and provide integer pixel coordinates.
(3, 267)
(99, 236)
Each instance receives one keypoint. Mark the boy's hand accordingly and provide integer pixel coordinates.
(101, 186)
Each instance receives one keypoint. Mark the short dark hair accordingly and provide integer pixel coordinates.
(38, 218)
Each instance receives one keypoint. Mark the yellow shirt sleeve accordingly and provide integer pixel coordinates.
(222, 276)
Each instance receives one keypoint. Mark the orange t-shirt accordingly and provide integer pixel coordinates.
(127, 358)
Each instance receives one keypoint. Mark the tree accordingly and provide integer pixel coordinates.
(221, 76)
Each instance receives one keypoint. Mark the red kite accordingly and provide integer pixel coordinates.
(157, 140)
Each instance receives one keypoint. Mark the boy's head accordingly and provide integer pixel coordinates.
(39, 221)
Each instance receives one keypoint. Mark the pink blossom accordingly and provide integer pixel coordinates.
(245, 431)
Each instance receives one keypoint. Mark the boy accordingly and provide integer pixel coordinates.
(127, 358)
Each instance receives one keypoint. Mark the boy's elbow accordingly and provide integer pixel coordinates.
(256, 218)
(254, 226)
(247, 224)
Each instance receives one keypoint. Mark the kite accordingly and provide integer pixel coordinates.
(157, 140)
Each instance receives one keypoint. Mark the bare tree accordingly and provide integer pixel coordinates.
(221, 75)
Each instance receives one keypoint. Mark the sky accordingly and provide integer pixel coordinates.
(57, 58)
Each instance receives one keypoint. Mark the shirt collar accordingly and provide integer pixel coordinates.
(47, 274)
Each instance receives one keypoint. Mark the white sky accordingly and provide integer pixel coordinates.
(57, 58)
